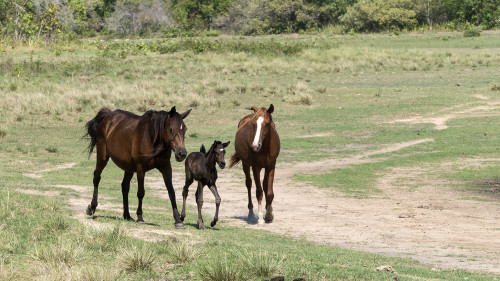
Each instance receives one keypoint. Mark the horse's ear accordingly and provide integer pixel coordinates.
(270, 109)
(202, 149)
(185, 114)
(226, 144)
(172, 111)
(254, 108)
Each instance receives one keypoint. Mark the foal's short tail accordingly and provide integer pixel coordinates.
(234, 160)
(92, 126)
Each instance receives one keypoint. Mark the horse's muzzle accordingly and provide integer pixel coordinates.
(222, 165)
(257, 147)
(180, 154)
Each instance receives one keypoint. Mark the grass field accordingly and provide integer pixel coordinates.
(342, 92)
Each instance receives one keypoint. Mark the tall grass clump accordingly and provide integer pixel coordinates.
(64, 252)
(222, 270)
(184, 251)
(262, 264)
(136, 260)
(106, 240)
(494, 87)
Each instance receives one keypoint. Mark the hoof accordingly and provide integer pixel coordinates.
(179, 225)
(212, 224)
(269, 218)
(201, 226)
(128, 218)
(90, 211)
(260, 221)
(140, 221)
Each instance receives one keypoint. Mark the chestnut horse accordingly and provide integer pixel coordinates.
(257, 145)
(137, 144)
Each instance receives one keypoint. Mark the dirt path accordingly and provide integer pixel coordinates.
(417, 214)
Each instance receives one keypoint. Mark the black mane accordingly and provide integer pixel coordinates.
(157, 121)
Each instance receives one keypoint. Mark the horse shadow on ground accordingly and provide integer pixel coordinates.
(252, 220)
(116, 218)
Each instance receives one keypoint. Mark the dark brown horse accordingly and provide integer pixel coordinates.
(137, 144)
(200, 166)
(257, 145)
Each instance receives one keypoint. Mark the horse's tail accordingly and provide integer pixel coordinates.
(234, 160)
(92, 125)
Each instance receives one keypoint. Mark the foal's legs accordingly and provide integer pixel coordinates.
(268, 190)
(185, 191)
(217, 204)
(140, 195)
(248, 183)
(125, 189)
(259, 193)
(199, 202)
(102, 160)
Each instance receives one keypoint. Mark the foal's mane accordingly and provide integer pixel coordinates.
(157, 120)
(203, 150)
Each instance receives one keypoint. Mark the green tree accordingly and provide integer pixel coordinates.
(198, 14)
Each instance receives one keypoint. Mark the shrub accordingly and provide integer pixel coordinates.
(378, 15)
(137, 17)
(472, 32)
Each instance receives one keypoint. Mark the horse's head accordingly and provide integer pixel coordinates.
(261, 122)
(175, 130)
(219, 151)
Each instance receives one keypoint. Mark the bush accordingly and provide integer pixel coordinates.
(254, 17)
(472, 32)
(378, 15)
(137, 17)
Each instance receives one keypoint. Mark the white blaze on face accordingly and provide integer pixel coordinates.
(181, 127)
(257, 132)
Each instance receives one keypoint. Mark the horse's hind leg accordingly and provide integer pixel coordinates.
(102, 160)
(199, 202)
(259, 193)
(185, 191)
(140, 195)
(248, 183)
(217, 204)
(125, 189)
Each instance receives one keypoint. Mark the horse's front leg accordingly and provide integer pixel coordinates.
(217, 204)
(167, 178)
(185, 191)
(199, 202)
(259, 193)
(140, 195)
(268, 189)
(248, 183)
(125, 189)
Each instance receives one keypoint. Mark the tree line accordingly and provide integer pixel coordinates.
(52, 19)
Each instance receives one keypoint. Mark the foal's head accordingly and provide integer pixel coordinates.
(261, 122)
(218, 149)
(175, 130)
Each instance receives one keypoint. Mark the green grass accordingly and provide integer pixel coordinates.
(333, 98)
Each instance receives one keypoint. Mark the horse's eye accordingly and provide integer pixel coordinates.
(267, 125)
(171, 131)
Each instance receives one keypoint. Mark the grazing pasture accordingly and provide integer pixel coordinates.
(389, 156)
